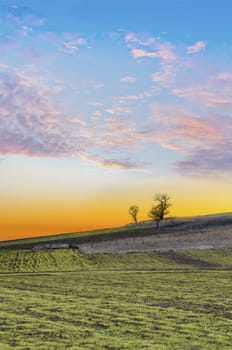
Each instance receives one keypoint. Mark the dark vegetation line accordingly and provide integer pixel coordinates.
(128, 271)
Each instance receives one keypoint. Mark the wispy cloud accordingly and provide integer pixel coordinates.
(33, 124)
(118, 126)
(132, 98)
(73, 45)
(65, 42)
(30, 123)
(128, 79)
(166, 51)
(165, 76)
(113, 163)
(204, 140)
(149, 47)
(208, 97)
(142, 39)
(126, 165)
(182, 129)
(123, 105)
(197, 47)
(118, 110)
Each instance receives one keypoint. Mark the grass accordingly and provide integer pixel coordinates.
(117, 310)
(72, 260)
(134, 301)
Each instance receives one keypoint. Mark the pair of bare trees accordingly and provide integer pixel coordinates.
(158, 211)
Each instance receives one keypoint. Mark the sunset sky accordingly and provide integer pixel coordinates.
(104, 103)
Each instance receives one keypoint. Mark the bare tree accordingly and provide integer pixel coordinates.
(161, 208)
(133, 211)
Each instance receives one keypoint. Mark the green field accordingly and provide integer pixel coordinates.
(71, 260)
(117, 310)
(62, 299)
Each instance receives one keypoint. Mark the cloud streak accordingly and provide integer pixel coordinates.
(74, 45)
(197, 47)
(113, 163)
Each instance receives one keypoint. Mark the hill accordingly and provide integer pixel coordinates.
(190, 233)
(181, 243)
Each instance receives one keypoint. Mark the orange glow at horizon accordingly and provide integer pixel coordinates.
(28, 217)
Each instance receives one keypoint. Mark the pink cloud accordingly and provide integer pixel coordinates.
(177, 128)
(118, 110)
(139, 39)
(157, 49)
(113, 126)
(197, 47)
(130, 98)
(204, 140)
(165, 52)
(30, 122)
(166, 76)
(111, 133)
(221, 83)
(139, 53)
(203, 95)
(33, 124)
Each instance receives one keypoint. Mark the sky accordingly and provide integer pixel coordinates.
(104, 103)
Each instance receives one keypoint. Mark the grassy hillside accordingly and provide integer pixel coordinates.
(72, 260)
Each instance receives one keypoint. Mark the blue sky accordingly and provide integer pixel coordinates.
(120, 97)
